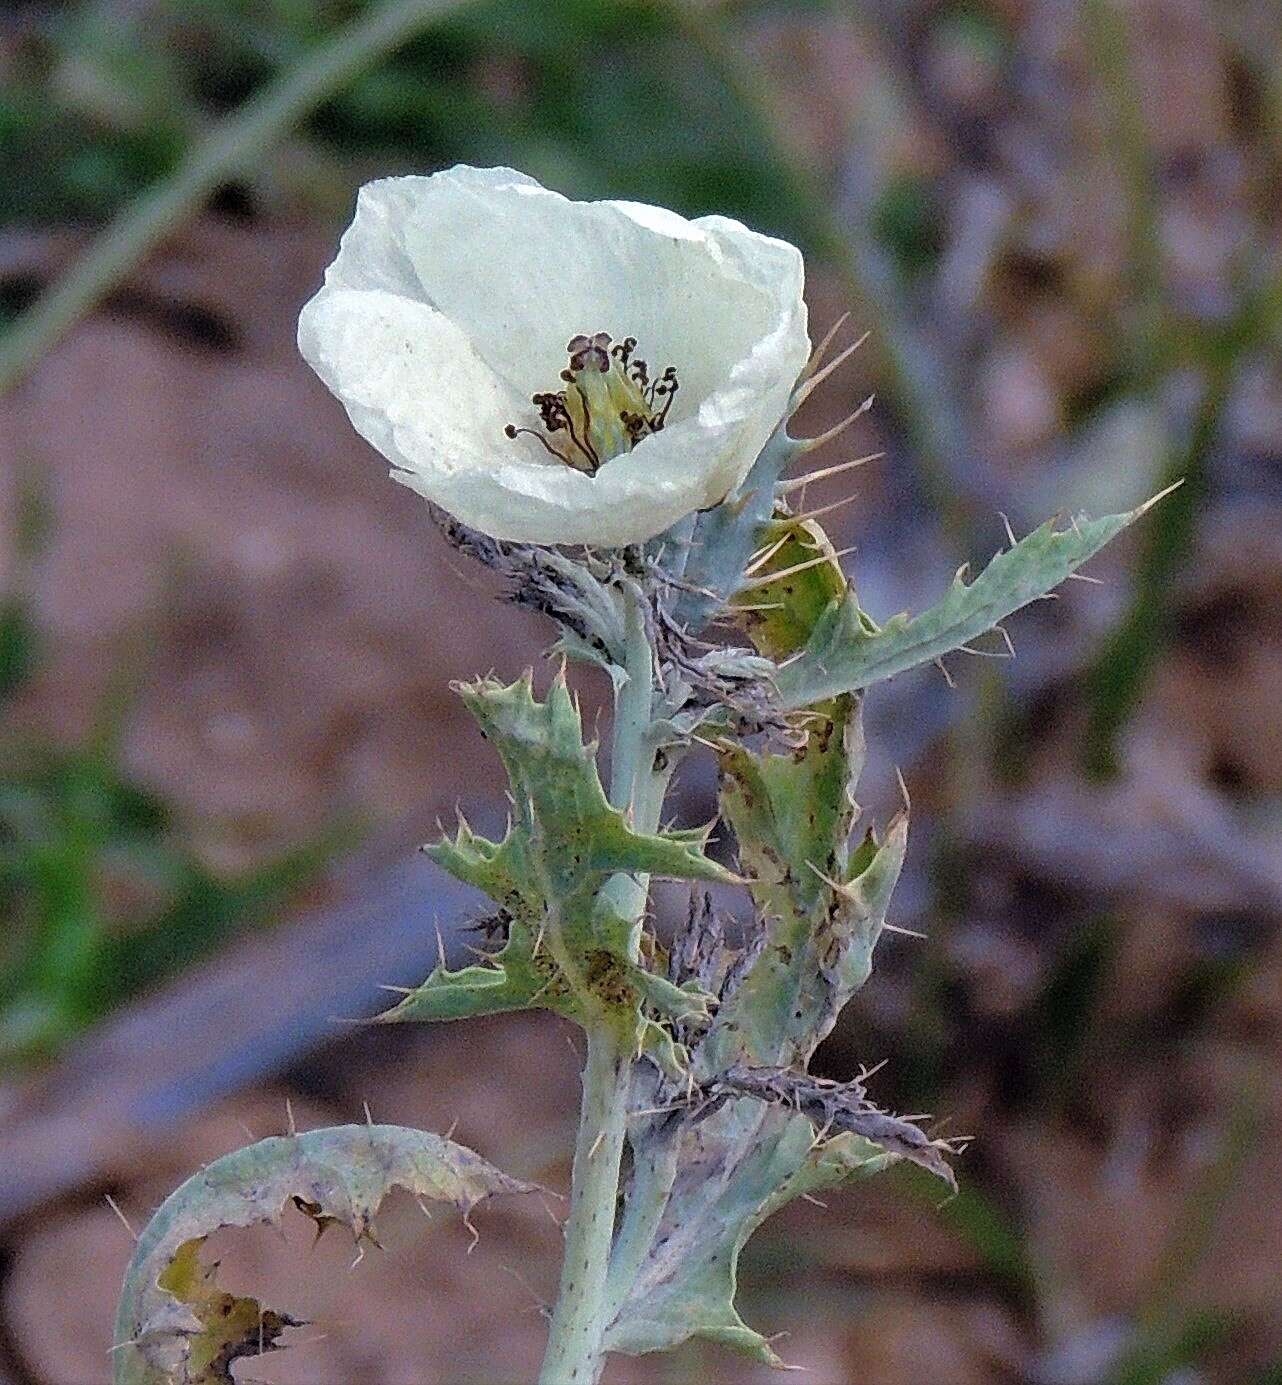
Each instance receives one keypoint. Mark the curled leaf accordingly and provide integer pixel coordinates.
(176, 1327)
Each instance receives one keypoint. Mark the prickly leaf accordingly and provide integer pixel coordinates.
(176, 1327)
(787, 595)
(845, 653)
(686, 1287)
(514, 982)
(564, 842)
(566, 838)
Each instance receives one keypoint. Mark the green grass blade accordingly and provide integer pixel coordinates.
(230, 146)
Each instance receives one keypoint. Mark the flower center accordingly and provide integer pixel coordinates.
(608, 405)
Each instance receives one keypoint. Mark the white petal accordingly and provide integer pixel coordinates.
(522, 269)
(410, 379)
(451, 301)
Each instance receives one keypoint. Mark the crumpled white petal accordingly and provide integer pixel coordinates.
(451, 301)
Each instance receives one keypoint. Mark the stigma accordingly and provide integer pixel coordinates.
(609, 403)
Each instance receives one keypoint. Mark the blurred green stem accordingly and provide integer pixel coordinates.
(228, 149)
(1115, 684)
(1121, 672)
(1108, 44)
(1163, 1329)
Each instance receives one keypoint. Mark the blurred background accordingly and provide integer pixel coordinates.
(226, 640)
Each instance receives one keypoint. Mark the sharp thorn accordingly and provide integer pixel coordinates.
(763, 555)
(799, 482)
(124, 1220)
(812, 383)
(825, 509)
(1161, 495)
(809, 444)
(984, 653)
(820, 351)
(767, 578)
(827, 879)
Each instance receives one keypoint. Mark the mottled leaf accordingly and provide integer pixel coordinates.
(176, 1327)
(785, 598)
(792, 815)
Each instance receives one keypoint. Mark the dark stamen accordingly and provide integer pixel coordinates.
(666, 388)
(584, 443)
(512, 431)
(586, 352)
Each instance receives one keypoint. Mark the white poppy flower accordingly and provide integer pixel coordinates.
(444, 326)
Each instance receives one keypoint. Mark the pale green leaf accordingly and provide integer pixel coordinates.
(176, 1327)
(686, 1287)
(845, 654)
(566, 838)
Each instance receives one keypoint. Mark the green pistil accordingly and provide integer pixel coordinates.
(607, 406)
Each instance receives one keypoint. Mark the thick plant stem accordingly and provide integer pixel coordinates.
(634, 703)
(579, 1320)
(629, 774)
(581, 1315)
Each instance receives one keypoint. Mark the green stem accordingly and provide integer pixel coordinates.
(631, 772)
(581, 1315)
(633, 705)
(913, 375)
(1107, 35)
(574, 1342)
(230, 147)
